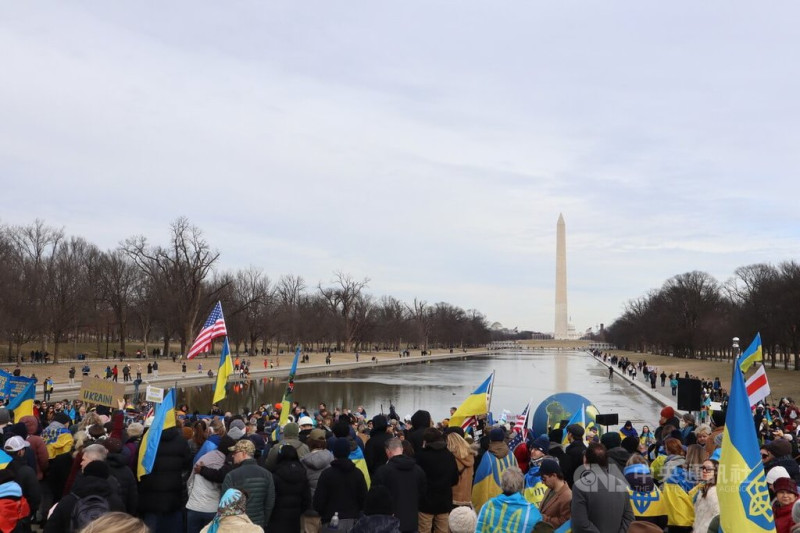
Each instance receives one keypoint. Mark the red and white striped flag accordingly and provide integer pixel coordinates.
(522, 420)
(757, 386)
(469, 421)
(213, 328)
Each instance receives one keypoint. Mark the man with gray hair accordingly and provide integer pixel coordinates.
(405, 480)
(509, 511)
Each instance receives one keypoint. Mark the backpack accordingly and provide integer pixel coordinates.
(87, 509)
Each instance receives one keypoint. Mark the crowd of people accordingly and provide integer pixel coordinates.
(74, 467)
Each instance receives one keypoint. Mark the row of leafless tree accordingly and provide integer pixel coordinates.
(56, 289)
(693, 315)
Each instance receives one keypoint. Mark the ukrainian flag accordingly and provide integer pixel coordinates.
(22, 403)
(752, 354)
(486, 483)
(286, 404)
(476, 403)
(566, 527)
(357, 456)
(225, 370)
(744, 501)
(5, 460)
(578, 418)
(164, 418)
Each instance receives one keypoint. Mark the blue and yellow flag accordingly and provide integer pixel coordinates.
(486, 483)
(225, 370)
(22, 403)
(286, 404)
(476, 403)
(578, 418)
(164, 418)
(744, 501)
(753, 354)
(5, 459)
(357, 456)
(566, 527)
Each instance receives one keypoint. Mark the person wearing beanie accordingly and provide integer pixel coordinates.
(375, 448)
(341, 488)
(441, 473)
(378, 513)
(717, 428)
(535, 488)
(557, 501)
(14, 508)
(642, 487)
(779, 453)
(420, 421)
(617, 455)
(786, 496)
(774, 475)
(555, 436)
(490, 469)
(630, 444)
(118, 465)
(290, 435)
(462, 519)
(573, 454)
(37, 445)
(93, 481)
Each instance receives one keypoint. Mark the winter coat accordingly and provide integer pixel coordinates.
(600, 506)
(441, 473)
(573, 458)
(314, 463)
(14, 508)
(25, 476)
(292, 497)
(162, 490)
(61, 518)
(377, 523)
(420, 421)
(705, 509)
(462, 491)
(783, 518)
(555, 506)
(272, 457)
(257, 482)
(236, 524)
(618, 456)
(406, 482)
(204, 495)
(37, 445)
(375, 448)
(341, 488)
(128, 491)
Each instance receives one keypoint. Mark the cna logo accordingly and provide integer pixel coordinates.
(593, 478)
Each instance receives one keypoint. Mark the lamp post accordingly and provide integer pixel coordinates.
(735, 349)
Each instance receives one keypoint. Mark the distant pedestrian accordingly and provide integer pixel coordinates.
(610, 372)
(673, 383)
(72, 375)
(663, 378)
(183, 367)
(155, 368)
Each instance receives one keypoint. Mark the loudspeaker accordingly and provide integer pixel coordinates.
(690, 392)
(611, 419)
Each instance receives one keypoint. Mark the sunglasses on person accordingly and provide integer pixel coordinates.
(707, 468)
(764, 455)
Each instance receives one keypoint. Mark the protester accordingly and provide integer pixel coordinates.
(116, 522)
(462, 520)
(599, 501)
(786, 495)
(292, 493)
(650, 505)
(378, 514)
(706, 503)
(341, 488)
(231, 516)
(555, 506)
(14, 508)
(252, 479)
(465, 461)
(509, 511)
(441, 474)
(406, 483)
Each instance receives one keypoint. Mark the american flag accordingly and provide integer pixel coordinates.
(520, 424)
(213, 328)
(469, 421)
(518, 438)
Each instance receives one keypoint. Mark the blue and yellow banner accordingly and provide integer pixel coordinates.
(163, 418)
(744, 501)
(753, 354)
(22, 403)
(578, 418)
(5, 459)
(476, 403)
(357, 456)
(225, 370)
(486, 483)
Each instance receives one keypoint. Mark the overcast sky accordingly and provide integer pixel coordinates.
(429, 146)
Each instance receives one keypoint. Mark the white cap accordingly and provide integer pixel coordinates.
(15, 444)
(305, 421)
(775, 473)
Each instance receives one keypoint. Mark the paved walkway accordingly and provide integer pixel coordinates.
(644, 386)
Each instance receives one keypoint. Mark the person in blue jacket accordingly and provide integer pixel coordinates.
(509, 512)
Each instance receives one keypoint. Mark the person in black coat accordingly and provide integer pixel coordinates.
(292, 493)
(420, 421)
(118, 464)
(406, 482)
(441, 472)
(93, 481)
(573, 454)
(375, 448)
(341, 487)
(161, 493)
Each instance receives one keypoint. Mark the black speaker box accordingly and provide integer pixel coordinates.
(611, 419)
(690, 392)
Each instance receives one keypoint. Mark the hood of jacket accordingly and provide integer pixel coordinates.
(31, 424)
(421, 419)
(345, 465)
(117, 460)
(317, 460)
(403, 462)
(86, 485)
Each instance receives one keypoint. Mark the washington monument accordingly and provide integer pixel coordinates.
(561, 331)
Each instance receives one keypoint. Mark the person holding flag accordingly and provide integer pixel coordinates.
(163, 458)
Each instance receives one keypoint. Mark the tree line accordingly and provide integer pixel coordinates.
(694, 315)
(57, 289)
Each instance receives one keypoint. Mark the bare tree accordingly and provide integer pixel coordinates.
(342, 298)
(179, 270)
(119, 277)
(421, 316)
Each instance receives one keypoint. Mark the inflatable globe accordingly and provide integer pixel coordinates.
(561, 406)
